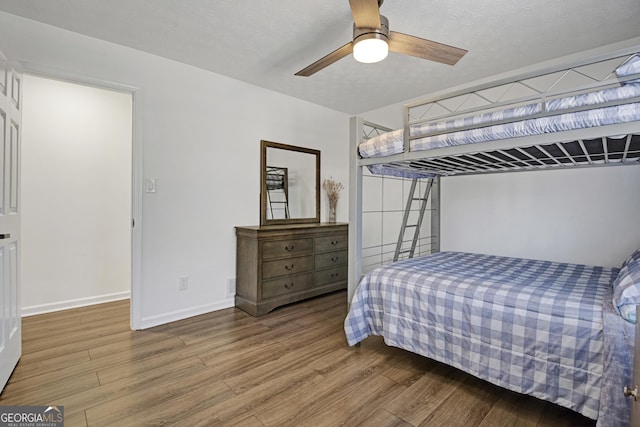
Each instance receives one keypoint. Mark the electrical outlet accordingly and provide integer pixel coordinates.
(183, 283)
(231, 287)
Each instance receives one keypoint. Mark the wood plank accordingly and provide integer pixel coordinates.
(383, 418)
(254, 401)
(225, 333)
(350, 403)
(55, 350)
(107, 394)
(77, 419)
(136, 368)
(426, 395)
(265, 372)
(72, 335)
(471, 402)
(27, 370)
(343, 393)
(205, 351)
(28, 393)
(514, 410)
(117, 310)
(164, 413)
(118, 359)
(158, 395)
(557, 416)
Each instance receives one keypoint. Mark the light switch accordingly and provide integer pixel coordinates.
(150, 185)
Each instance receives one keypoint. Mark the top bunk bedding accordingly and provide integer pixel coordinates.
(618, 103)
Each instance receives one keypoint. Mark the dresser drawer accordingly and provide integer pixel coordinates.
(286, 285)
(283, 267)
(331, 259)
(332, 275)
(288, 248)
(331, 243)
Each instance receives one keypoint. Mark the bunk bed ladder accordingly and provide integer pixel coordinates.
(280, 205)
(277, 183)
(416, 227)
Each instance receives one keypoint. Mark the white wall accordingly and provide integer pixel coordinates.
(201, 137)
(584, 216)
(76, 195)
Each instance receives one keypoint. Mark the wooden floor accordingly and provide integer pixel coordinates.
(291, 367)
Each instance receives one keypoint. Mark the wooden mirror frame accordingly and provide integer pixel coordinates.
(263, 184)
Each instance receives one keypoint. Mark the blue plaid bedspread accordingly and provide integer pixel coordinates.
(535, 327)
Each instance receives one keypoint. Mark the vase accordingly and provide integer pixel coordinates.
(332, 210)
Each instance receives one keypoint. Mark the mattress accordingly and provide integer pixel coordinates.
(535, 327)
(391, 143)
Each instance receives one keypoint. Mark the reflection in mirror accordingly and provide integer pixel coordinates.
(277, 193)
(290, 188)
(290, 184)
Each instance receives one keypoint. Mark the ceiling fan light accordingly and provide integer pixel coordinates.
(370, 49)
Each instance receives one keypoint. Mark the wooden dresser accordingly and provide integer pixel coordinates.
(281, 264)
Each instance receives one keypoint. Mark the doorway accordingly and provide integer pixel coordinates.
(77, 146)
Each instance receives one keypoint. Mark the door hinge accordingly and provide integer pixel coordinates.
(133, 222)
(631, 392)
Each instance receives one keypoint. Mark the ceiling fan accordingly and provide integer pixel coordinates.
(372, 41)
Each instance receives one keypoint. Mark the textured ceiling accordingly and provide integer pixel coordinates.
(264, 42)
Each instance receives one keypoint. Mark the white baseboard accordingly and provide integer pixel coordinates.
(161, 319)
(74, 303)
(147, 322)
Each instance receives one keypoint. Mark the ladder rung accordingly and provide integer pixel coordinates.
(410, 225)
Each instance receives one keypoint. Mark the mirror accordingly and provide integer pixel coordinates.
(290, 184)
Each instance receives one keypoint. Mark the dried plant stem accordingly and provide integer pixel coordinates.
(333, 189)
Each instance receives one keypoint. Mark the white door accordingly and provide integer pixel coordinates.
(10, 131)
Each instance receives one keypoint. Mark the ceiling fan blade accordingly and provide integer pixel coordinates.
(329, 59)
(425, 49)
(366, 13)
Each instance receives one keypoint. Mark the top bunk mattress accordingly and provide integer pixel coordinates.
(593, 111)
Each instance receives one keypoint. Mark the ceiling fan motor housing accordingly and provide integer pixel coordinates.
(370, 33)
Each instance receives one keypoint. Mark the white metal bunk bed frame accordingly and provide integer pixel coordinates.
(460, 159)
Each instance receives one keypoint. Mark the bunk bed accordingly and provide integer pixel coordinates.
(552, 330)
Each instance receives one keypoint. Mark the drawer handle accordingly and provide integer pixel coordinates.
(289, 248)
(288, 285)
(335, 242)
(335, 275)
(335, 258)
(288, 268)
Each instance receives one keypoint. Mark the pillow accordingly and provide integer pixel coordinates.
(630, 67)
(634, 258)
(626, 287)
